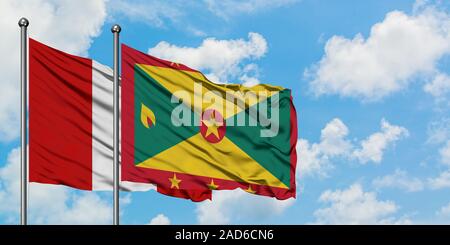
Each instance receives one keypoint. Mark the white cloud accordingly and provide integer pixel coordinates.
(86, 208)
(9, 183)
(221, 58)
(445, 153)
(439, 134)
(373, 147)
(66, 25)
(399, 179)
(229, 8)
(441, 181)
(439, 86)
(9, 110)
(444, 211)
(177, 13)
(396, 50)
(354, 206)
(316, 158)
(160, 219)
(49, 204)
(249, 81)
(332, 138)
(250, 75)
(311, 161)
(439, 131)
(231, 207)
(154, 12)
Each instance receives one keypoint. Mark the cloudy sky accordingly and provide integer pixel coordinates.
(370, 81)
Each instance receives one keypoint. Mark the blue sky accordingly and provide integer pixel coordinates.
(370, 81)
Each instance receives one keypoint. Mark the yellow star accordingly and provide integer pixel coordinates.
(250, 190)
(174, 182)
(212, 186)
(213, 126)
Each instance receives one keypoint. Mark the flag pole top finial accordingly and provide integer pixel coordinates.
(116, 28)
(23, 22)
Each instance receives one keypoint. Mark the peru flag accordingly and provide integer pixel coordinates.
(71, 121)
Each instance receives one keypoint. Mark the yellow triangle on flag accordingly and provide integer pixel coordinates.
(222, 160)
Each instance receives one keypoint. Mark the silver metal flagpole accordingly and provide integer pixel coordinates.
(23, 23)
(116, 30)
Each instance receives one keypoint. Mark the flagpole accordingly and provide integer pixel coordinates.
(23, 23)
(116, 30)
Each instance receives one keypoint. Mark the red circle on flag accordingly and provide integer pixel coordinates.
(212, 126)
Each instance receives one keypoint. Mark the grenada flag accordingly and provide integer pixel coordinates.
(190, 136)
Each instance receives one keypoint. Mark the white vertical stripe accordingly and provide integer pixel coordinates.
(102, 127)
(102, 132)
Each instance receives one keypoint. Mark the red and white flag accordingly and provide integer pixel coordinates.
(71, 121)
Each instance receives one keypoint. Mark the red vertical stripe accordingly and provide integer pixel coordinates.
(60, 117)
(294, 138)
(129, 172)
